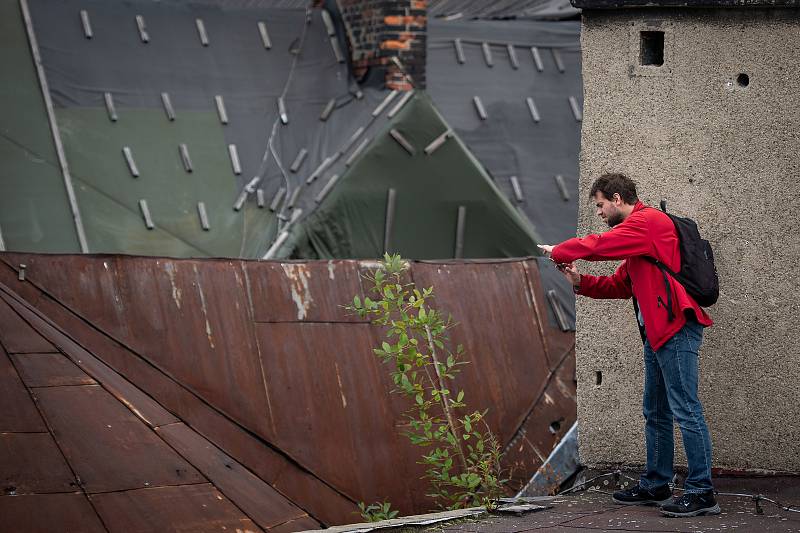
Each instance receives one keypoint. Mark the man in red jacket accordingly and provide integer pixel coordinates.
(672, 330)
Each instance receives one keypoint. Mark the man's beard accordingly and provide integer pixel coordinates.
(613, 220)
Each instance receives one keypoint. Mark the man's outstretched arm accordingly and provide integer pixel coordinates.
(616, 285)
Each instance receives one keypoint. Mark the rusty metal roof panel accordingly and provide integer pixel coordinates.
(193, 508)
(31, 463)
(39, 513)
(18, 337)
(18, 413)
(49, 370)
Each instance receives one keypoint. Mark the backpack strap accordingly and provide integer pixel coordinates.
(664, 271)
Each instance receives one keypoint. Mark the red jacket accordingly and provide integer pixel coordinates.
(647, 232)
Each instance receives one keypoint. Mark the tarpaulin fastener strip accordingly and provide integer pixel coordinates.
(112, 111)
(402, 141)
(391, 201)
(532, 108)
(301, 156)
(325, 190)
(87, 24)
(438, 141)
(356, 152)
(167, 101)
(146, 214)
(201, 210)
(201, 30)
(562, 187)
(260, 197)
(337, 50)
(517, 189)
(294, 197)
(487, 54)
(576, 110)
(282, 110)
(512, 56)
(386, 101)
(131, 163)
(262, 29)
(277, 199)
(223, 114)
(142, 29)
(234, 155)
(399, 105)
(555, 304)
(328, 110)
(187, 161)
(461, 223)
(537, 59)
(459, 51)
(558, 60)
(326, 18)
(479, 107)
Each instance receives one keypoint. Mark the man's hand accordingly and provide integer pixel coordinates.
(570, 271)
(546, 249)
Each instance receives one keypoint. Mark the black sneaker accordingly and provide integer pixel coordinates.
(692, 505)
(637, 495)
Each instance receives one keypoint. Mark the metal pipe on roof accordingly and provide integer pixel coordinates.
(487, 54)
(438, 141)
(201, 211)
(562, 187)
(148, 221)
(533, 110)
(277, 199)
(126, 151)
(402, 141)
(187, 161)
(87, 24)
(461, 223)
(201, 30)
(512, 56)
(459, 51)
(167, 102)
(234, 155)
(325, 190)
(517, 189)
(262, 29)
(386, 101)
(388, 231)
(298, 160)
(399, 105)
(143, 35)
(479, 107)
(558, 60)
(326, 112)
(356, 152)
(221, 111)
(576, 110)
(51, 118)
(537, 59)
(112, 110)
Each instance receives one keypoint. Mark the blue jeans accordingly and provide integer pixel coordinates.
(670, 390)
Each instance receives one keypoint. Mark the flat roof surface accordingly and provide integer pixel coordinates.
(615, 4)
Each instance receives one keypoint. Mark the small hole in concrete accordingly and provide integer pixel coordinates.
(743, 80)
(599, 377)
(651, 51)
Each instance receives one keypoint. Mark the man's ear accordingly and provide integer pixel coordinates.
(617, 199)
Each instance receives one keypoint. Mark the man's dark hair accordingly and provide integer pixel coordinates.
(610, 184)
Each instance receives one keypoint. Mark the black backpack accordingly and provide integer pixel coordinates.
(698, 275)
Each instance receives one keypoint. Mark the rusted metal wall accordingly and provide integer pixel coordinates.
(261, 358)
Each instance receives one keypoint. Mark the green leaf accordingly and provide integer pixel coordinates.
(420, 400)
(460, 396)
(451, 361)
(357, 301)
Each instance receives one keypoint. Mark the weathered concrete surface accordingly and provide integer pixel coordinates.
(727, 156)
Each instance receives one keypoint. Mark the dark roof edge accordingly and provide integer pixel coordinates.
(621, 4)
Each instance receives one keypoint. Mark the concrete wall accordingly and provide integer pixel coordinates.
(728, 156)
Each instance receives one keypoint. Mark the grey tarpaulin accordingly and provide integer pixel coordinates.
(504, 9)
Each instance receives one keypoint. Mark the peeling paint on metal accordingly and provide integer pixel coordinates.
(176, 292)
(341, 389)
(331, 270)
(564, 389)
(299, 274)
(548, 399)
(203, 307)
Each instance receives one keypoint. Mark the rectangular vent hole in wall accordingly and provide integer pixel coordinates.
(599, 377)
(652, 48)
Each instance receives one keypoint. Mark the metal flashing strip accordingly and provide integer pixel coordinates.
(143, 35)
(221, 111)
(388, 231)
(87, 24)
(479, 107)
(576, 110)
(532, 108)
(326, 112)
(234, 155)
(459, 51)
(402, 141)
(517, 189)
(399, 105)
(112, 110)
(187, 161)
(325, 190)
(282, 110)
(260, 197)
(201, 31)
(262, 29)
(148, 221)
(487, 54)
(357, 152)
(337, 50)
(537, 59)
(126, 151)
(557, 58)
(562, 187)
(386, 101)
(328, 21)
(321, 168)
(201, 211)
(437, 142)
(277, 199)
(51, 118)
(461, 223)
(298, 160)
(512, 56)
(555, 304)
(167, 101)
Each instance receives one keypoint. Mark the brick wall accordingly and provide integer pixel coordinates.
(378, 30)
